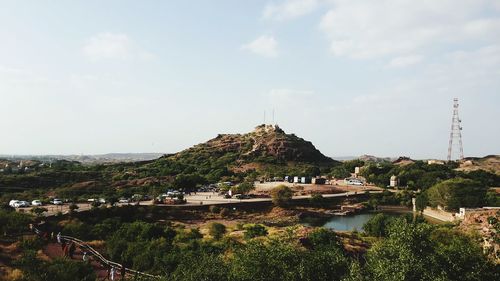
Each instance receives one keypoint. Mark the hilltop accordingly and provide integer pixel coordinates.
(265, 150)
(267, 143)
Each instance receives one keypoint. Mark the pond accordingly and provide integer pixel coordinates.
(345, 223)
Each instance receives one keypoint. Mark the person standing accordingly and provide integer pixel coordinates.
(59, 237)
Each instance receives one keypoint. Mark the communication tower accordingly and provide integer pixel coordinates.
(455, 133)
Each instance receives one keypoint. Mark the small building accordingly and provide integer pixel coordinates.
(435, 162)
(357, 170)
(394, 182)
(318, 180)
(305, 180)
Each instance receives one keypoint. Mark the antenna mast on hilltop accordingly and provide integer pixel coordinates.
(456, 132)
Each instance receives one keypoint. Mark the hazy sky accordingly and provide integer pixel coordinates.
(354, 77)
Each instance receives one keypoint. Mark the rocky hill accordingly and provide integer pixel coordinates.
(267, 143)
(490, 163)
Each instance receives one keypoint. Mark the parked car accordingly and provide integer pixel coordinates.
(227, 196)
(242, 196)
(123, 200)
(21, 204)
(36, 203)
(12, 202)
(56, 201)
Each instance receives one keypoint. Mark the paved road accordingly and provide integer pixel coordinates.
(200, 198)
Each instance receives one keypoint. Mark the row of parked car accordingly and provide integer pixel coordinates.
(23, 204)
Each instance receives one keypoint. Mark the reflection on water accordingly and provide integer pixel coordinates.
(344, 223)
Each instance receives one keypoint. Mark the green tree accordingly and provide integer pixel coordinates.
(456, 193)
(378, 225)
(407, 254)
(281, 195)
(217, 230)
(243, 188)
(201, 267)
(421, 201)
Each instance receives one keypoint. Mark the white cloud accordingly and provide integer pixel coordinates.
(369, 29)
(289, 9)
(405, 61)
(113, 46)
(265, 45)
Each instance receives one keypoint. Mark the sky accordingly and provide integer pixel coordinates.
(352, 76)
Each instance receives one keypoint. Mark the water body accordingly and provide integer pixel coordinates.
(345, 223)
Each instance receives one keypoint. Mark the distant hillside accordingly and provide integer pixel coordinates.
(371, 158)
(88, 159)
(490, 163)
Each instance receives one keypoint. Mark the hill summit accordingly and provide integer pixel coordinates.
(266, 143)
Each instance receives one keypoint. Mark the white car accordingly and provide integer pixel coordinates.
(36, 203)
(123, 200)
(56, 201)
(21, 204)
(12, 202)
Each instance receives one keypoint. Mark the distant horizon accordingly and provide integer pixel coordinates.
(339, 158)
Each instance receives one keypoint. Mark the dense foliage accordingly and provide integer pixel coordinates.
(456, 193)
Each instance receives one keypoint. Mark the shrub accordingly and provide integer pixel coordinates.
(224, 212)
(214, 209)
(217, 230)
(281, 195)
(255, 230)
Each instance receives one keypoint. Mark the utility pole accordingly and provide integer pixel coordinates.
(456, 132)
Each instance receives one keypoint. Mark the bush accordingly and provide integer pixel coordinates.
(317, 200)
(224, 212)
(281, 195)
(38, 211)
(217, 230)
(214, 209)
(254, 230)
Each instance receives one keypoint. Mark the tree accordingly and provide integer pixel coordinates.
(202, 266)
(322, 238)
(378, 225)
(217, 230)
(38, 211)
(457, 193)
(317, 200)
(418, 251)
(243, 188)
(407, 254)
(421, 201)
(188, 181)
(281, 195)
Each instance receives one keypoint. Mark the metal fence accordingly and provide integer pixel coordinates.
(100, 257)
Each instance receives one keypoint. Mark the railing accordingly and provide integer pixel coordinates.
(99, 256)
